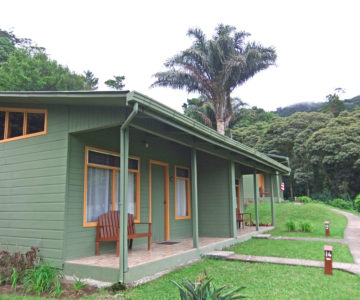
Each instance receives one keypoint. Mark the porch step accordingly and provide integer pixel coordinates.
(219, 254)
(262, 236)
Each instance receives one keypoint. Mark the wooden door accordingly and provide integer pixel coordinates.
(159, 201)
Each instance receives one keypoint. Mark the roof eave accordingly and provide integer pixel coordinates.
(204, 130)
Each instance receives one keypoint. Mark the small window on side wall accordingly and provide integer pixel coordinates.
(182, 193)
(18, 123)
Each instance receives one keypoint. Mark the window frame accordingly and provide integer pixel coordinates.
(8, 110)
(114, 170)
(188, 200)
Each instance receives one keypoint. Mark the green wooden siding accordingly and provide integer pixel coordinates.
(86, 117)
(32, 190)
(214, 196)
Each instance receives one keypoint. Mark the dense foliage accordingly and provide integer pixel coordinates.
(27, 67)
(323, 147)
(324, 152)
(349, 105)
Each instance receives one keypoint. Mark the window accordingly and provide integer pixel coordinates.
(101, 187)
(16, 123)
(182, 193)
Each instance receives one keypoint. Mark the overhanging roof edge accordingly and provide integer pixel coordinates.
(204, 130)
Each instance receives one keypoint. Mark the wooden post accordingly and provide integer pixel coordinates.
(242, 194)
(277, 184)
(272, 200)
(256, 191)
(194, 198)
(125, 191)
(121, 207)
(328, 259)
(233, 228)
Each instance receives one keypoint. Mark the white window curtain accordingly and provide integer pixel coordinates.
(131, 196)
(131, 201)
(181, 203)
(99, 188)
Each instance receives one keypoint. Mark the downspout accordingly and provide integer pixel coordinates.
(124, 150)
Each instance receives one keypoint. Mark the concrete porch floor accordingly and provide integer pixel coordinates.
(140, 255)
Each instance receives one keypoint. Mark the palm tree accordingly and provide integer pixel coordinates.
(202, 110)
(214, 68)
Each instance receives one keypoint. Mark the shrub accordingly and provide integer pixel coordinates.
(323, 196)
(43, 278)
(290, 225)
(12, 265)
(291, 199)
(306, 226)
(357, 202)
(341, 203)
(202, 290)
(304, 199)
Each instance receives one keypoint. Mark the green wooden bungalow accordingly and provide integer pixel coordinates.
(266, 184)
(68, 157)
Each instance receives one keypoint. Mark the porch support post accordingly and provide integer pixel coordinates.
(242, 194)
(272, 200)
(194, 198)
(277, 186)
(125, 192)
(233, 229)
(121, 206)
(256, 191)
(123, 184)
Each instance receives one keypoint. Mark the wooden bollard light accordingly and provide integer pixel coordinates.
(327, 228)
(328, 259)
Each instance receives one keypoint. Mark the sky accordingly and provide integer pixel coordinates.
(317, 42)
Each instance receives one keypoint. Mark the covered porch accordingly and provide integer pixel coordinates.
(168, 256)
(169, 172)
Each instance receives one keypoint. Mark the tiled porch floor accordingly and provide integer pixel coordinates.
(140, 255)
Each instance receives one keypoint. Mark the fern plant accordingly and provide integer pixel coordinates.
(202, 290)
(78, 285)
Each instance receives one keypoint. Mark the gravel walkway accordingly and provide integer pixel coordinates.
(352, 234)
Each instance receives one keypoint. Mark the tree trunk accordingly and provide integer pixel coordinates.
(307, 190)
(220, 126)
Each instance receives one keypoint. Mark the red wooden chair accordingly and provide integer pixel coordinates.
(241, 218)
(108, 229)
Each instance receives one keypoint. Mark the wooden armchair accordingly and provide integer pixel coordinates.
(241, 218)
(108, 229)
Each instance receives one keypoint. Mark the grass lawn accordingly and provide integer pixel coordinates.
(262, 281)
(315, 213)
(292, 249)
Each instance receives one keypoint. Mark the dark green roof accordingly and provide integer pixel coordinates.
(122, 98)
